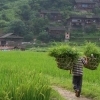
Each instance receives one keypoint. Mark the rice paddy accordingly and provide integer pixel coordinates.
(29, 75)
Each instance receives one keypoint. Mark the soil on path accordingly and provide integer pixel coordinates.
(68, 95)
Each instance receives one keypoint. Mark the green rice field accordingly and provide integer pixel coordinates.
(29, 75)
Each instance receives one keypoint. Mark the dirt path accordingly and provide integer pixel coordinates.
(69, 95)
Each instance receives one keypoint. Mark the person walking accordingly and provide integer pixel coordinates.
(77, 72)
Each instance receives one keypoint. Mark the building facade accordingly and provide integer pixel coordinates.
(52, 15)
(10, 40)
(83, 21)
(87, 5)
(56, 33)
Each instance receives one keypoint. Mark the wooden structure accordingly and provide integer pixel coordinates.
(56, 30)
(97, 3)
(56, 33)
(52, 15)
(96, 0)
(10, 41)
(87, 5)
(82, 21)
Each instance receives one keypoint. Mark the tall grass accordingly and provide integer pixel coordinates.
(19, 80)
(26, 75)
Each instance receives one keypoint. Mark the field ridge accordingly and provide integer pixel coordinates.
(68, 95)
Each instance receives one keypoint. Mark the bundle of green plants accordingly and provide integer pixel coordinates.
(91, 50)
(65, 56)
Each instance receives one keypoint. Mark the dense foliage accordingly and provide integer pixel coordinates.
(22, 16)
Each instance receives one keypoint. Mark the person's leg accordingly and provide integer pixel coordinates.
(74, 82)
(79, 85)
(75, 85)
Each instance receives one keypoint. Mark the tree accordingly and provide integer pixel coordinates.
(25, 12)
(3, 23)
(38, 25)
(44, 37)
(28, 37)
(18, 27)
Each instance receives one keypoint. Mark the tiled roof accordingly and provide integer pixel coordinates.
(77, 16)
(57, 28)
(84, 16)
(6, 35)
(46, 11)
(10, 35)
(84, 1)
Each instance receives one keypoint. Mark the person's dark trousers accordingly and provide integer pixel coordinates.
(77, 82)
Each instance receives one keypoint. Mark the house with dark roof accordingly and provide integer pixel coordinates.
(87, 5)
(10, 40)
(52, 15)
(97, 3)
(57, 32)
(83, 21)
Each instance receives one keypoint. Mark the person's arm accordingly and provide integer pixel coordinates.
(84, 60)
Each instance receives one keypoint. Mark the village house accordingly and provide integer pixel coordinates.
(10, 41)
(82, 21)
(52, 15)
(87, 5)
(97, 2)
(56, 32)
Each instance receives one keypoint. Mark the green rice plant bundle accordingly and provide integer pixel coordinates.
(65, 56)
(91, 50)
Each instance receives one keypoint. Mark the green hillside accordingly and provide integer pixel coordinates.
(22, 17)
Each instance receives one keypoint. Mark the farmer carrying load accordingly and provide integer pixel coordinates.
(77, 72)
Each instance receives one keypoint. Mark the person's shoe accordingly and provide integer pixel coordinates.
(77, 93)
